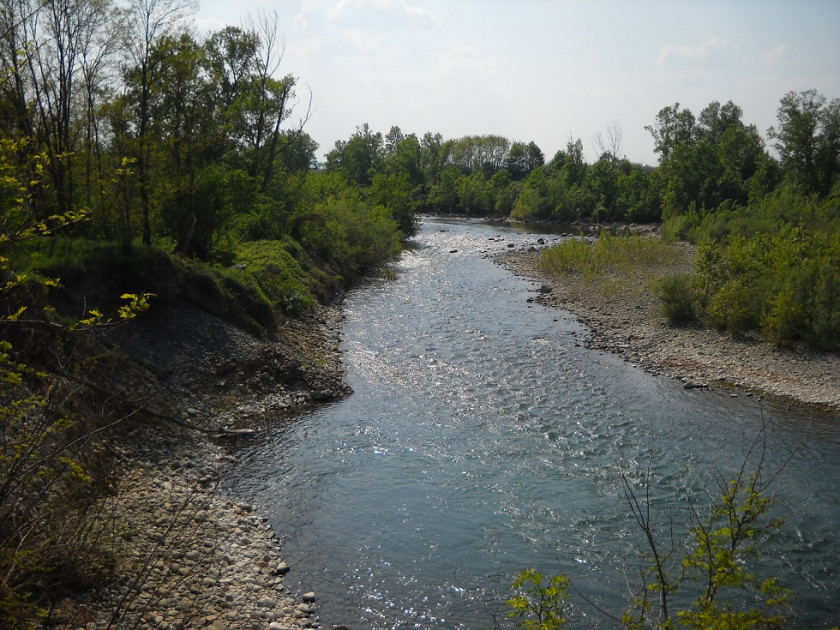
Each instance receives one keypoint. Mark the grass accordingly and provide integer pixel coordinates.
(614, 263)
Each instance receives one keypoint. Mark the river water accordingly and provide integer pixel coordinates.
(483, 437)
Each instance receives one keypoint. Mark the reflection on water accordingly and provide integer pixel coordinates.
(483, 437)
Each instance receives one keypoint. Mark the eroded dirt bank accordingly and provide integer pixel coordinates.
(189, 556)
(628, 322)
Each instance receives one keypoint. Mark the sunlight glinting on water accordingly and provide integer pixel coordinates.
(483, 438)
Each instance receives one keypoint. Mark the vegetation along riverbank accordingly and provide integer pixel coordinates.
(172, 250)
(620, 301)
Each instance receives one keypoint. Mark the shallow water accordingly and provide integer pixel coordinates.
(483, 438)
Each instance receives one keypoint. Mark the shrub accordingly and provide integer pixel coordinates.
(786, 285)
(675, 294)
(270, 267)
(539, 606)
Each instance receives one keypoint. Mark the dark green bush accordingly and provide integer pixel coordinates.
(786, 285)
(675, 293)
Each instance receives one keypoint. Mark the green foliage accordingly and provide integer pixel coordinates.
(49, 540)
(395, 193)
(538, 606)
(625, 255)
(723, 548)
(675, 294)
(349, 236)
(784, 285)
(711, 573)
(280, 278)
(712, 570)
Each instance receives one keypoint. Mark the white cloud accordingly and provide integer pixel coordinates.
(717, 49)
(381, 15)
(464, 60)
(778, 55)
(301, 20)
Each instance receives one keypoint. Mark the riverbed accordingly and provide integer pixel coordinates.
(484, 437)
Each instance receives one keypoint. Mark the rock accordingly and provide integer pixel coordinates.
(282, 569)
(546, 289)
(266, 602)
(309, 597)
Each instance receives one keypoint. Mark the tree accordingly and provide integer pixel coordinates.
(394, 192)
(407, 158)
(361, 156)
(434, 155)
(673, 127)
(392, 141)
(706, 163)
(272, 102)
(517, 161)
(609, 143)
(299, 152)
(100, 78)
(148, 21)
(522, 159)
(574, 166)
(46, 47)
(808, 139)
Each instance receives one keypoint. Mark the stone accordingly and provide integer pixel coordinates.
(309, 597)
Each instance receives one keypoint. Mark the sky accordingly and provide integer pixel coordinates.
(540, 70)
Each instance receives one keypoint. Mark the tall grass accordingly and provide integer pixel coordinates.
(611, 257)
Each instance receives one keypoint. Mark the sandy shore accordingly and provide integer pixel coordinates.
(627, 321)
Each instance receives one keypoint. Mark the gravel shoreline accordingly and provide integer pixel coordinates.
(628, 323)
(191, 557)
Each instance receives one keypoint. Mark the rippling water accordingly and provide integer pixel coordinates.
(483, 437)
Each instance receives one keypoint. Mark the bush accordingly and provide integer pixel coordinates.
(349, 235)
(270, 267)
(786, 285)
(675, 293)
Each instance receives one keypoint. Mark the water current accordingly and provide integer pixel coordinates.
(483, 437)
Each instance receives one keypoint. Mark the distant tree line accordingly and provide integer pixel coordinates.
(707, 162)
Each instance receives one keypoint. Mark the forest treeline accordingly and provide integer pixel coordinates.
(136, 132)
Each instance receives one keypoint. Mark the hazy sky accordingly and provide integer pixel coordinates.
(543, 70)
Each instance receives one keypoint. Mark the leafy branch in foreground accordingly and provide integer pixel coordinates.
(52, 528)
(539, 606)
(715, 563)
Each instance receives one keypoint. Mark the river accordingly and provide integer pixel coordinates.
(483, 437)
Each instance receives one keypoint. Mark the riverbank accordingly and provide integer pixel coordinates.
(626, 320)
(189, 555)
